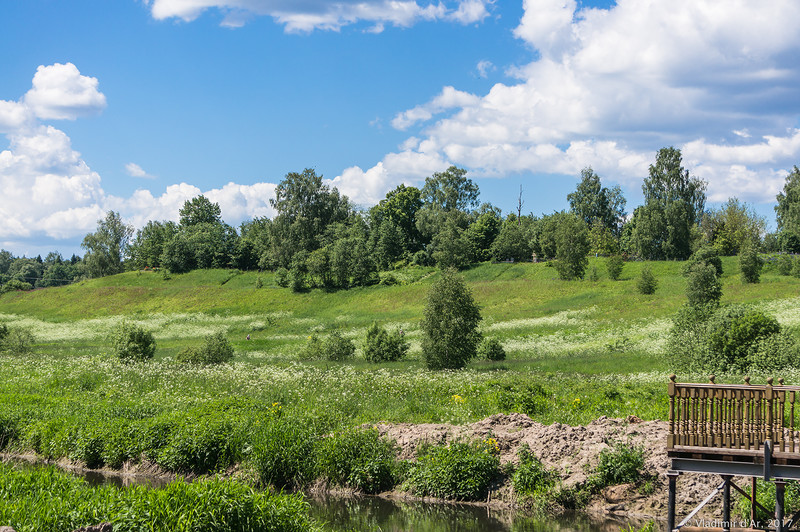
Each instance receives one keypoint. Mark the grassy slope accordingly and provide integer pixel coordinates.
(504, 291)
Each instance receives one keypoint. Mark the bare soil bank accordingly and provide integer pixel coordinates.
(573, 452)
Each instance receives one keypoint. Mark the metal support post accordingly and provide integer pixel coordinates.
(726, 503)
(672, 476)
(780, 488)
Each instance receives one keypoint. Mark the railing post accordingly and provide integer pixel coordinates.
(671, 392)
(779, 499)
(672, 477)
(726, 503)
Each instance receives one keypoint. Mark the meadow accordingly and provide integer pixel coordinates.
(575, 351)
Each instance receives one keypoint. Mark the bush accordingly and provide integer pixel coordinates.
(531, 477)
(491, 349)
(15, 340)
(572, 246)
(282, 277)
(614, 266)
(750, 263)
(704, 255)
(131, 342)
(795, 267)
(703, 285)
(647, 282)
(735, 332)
(733, 338)
(334, 348)
(281, 451)
(450, 324)
(16, 284)
(460, 470)
(216, 349)
(358, 459)
(622, 463)
(380, 346)
(784, 264)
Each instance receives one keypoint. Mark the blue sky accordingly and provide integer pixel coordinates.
(137, 106)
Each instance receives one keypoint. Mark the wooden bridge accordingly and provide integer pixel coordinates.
(734, 430)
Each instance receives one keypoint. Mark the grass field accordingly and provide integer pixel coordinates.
(576, 351)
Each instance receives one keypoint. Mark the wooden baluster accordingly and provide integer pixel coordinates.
(781, 423)
(701, 418)
(685, 419)
(741, 421)
(792, 397)
(730, 403)
(671, 436)
(695, 417)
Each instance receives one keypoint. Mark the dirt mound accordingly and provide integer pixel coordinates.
(573, 452)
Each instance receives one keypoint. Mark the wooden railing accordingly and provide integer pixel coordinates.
(732, 416)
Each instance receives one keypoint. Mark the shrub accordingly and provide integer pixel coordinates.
(491, 349)
(531, 477)
(16, 284)
(572, 246)
(647, 282)
(16, 340)
(380, 346)
(594, 276)
(702, 284)
(704, 255)
(131, 342)
(450, 324)
(282, 277)
(734, 332)
(335, 347)
(338, 348)
(796, 267)
(614, 266)
(784, 264)
(281, 452)
(200, 444)
(460, 470)
(750, 263)
(216, 349)
(358, 459)
(622, 463)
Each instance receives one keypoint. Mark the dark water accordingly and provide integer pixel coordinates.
(375, 514)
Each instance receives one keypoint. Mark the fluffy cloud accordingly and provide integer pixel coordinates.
(60, 92)
(609, 87)
(134, 170)
(50, 191)
(320, 14)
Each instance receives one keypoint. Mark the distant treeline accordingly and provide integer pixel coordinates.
(319, 239)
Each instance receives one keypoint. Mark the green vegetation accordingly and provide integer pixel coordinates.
(131, 342)
(215, 349)
(48, 500)
(459, 470)
(647, 283)
(382, 346)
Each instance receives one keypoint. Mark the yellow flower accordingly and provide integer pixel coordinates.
(458, 399)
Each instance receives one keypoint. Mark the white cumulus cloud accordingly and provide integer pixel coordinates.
(609, 87)
(60, 92)
(311, 15)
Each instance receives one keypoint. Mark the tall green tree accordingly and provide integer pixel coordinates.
(450, 335)
(572, 246)
(597, 204)
(674, 204)
(400, 207)
(200, 210)
(448, 195)
(147, 248)
(106, 247)
(731, 226)
(787, 212)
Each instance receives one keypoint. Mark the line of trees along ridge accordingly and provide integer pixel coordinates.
(318, 238)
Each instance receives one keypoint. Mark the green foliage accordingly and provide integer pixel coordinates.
(460, 470)
(334, 348)
(787, 212)
(15, 284)
(704, 255)
(646, 283)
(531, 477)
(450, 324)
(595, 204)
(614, 265)
(492, 349)
(511, 243)
(358, 459)
(674, 203)
(16, 340)
(785, 264)
(750, 263)
(200, 210)
(282, 451)
(450, 246)
(105, 248)
(215, 349)
(381, 346)
(731, 226)
(130, 342)
(622, 463)
(733, 338)
(45, 499)
(765, 492)
(450, 190)
(282, 277)
(572, 246)
(703, 286)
